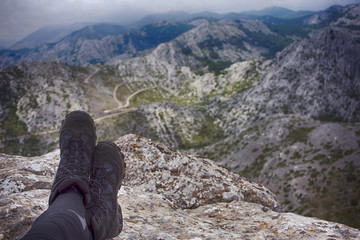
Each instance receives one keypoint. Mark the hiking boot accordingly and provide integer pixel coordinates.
(77, 144)
(104, 215)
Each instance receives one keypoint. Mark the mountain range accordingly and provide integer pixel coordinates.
(272, 95)
(52, 34)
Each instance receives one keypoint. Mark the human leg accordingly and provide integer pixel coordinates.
(77, 144)
(64, 219)
(70, 193)
(108, 169)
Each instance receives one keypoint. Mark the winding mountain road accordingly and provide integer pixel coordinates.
(120, 109)
(120, 105)
(87, 79)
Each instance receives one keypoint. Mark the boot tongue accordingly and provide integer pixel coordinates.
(75, 143)
(75, 148)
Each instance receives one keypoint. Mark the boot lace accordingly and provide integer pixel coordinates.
(97, 206)
(74, 158)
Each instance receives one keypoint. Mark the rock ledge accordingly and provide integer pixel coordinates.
(166, 195)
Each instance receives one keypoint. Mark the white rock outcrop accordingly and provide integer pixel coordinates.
(165, 195)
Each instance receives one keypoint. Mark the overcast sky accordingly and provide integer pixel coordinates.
(19, 18)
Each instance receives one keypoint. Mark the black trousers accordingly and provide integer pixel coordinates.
(64, 219)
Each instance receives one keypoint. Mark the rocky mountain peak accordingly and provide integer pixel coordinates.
(351, 17)
(334, 15)
(166, 195)
(323, 70)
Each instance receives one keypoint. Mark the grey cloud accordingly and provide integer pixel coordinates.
(21, 17)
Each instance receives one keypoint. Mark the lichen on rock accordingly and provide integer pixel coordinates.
(165, 195)
(186, 180)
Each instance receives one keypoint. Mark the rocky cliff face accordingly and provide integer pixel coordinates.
(350, 18)
(305, 162)
(335, 15)
(209, 47)
(319, 77)
(166, 195)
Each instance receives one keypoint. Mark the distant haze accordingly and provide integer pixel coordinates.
(19, 18)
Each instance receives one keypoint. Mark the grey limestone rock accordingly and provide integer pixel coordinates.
(165, 195)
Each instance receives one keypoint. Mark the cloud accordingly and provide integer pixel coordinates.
(21, 17)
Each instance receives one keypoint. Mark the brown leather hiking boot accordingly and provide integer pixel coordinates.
(107, 172)
(77, 144)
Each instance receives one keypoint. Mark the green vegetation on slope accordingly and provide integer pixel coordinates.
(271, 42)
(208, 133)
(151, 35)
(148, 96)
(126, 123)
(153, 95)
(12, 124)
(286, 30)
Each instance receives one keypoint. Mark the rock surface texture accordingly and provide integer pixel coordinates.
(166, 195)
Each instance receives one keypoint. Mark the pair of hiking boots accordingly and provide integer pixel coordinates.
(95, 171)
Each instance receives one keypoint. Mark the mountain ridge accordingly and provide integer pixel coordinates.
(47, 34)
(280, 12)
(52, 34)
(112, 40)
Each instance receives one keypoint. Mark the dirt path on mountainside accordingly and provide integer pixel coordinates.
(87, 79)
(120, 105)
(120, 109)
(118, 102)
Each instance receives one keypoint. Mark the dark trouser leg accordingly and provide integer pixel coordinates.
(64, 219)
